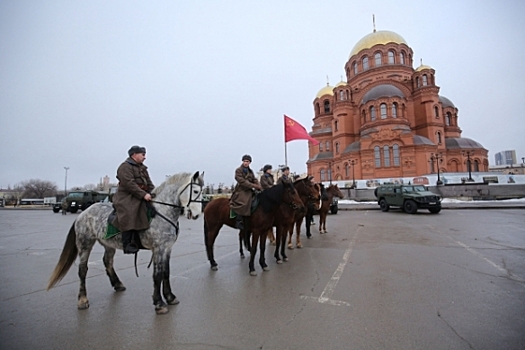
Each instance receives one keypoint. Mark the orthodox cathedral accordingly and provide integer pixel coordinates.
(388, 119)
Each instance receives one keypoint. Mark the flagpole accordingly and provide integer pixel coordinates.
(285, 155)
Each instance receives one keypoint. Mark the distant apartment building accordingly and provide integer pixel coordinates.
(505, 157)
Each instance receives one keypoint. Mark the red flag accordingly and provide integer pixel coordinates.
(295, 131)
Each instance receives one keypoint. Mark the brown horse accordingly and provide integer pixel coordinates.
(310, 194)
(217, 214)
(328, 196)
(287, 216)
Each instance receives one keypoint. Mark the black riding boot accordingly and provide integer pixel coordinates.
(239, 222)
(129, 247)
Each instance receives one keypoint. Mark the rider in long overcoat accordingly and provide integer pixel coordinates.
(134, 189)
(242, 197)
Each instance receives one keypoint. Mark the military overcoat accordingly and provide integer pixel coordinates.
(241, 200)
(134, 183)
(284, 179)
(266, 181)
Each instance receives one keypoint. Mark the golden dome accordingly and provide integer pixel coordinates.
(327, 90)
(380, 37)
(423, 66)
(341, 83)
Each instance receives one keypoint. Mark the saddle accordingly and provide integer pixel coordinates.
(112, 231)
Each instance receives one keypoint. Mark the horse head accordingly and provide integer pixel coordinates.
(190, 196)
(337, 192)
(291, 197)
(307, 188)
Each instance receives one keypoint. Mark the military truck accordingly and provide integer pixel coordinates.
(410, 198)
(83, 199)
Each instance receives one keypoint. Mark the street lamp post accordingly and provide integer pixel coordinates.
(437, 157)
(353, 162)
(469, 153)
(330, 172)
(65, 183)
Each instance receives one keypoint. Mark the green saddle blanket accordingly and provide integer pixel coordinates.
(112, 231)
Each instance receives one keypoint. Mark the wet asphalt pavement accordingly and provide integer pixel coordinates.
(455, 280)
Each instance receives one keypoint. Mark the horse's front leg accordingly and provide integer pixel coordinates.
(262, 249)
(307, 221)
(110, 271)
(166, 286)
(158, 274)
(253, 251)
(283, 242)
(298, 232)
(241, 239)
(279, 242)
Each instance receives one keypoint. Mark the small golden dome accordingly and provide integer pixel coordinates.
(422, 67)
(327, 90)
(341, 83)
(380, 37)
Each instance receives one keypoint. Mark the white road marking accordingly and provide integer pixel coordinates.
(328, 291)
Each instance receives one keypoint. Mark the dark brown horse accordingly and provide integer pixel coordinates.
(217, 214)
(310, 194)
(328, 196)
(287, 216)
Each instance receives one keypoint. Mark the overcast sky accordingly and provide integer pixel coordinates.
(200, 83)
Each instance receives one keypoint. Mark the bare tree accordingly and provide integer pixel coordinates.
(89, 187)
(36, 188)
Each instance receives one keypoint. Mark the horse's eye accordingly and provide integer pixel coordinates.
(195, 191)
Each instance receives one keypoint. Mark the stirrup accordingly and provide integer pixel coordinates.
(131, 248)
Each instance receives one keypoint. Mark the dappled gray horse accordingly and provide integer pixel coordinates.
(179, 194)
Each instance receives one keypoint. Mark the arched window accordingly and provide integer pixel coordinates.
(346, 170)
(425, 80)
(364, 116)
(327, 106)
(337, 148)
(372, 113)
(394, 110)
(377, 156)
(327, 146)
(402, 58)
(476, 165)
(317, 109)
(417, 82)
(395, 151)
(391, 57)
(355, 68)
(322, 175)
(386, 156)
(382, 108)
(378, 58)
(431, 166)
(447, 119)
(342, 95)
(365, 63)
(438, 137)
(436, 112)
(336, 125)
(320, 146)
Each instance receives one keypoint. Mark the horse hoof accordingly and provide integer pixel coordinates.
(242, 256)
(214, 268)
(279, 261)
(162, 310)
(309, 236)
(174, 302)
(266, 268)
(290, 246)
(253, 273)
(286, 259)
(299, 246)
(83, 305)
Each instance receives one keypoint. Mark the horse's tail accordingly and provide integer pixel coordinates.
(67, 258)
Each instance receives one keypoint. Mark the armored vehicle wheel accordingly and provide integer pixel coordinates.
(384, 205)
(73, 210)
(334, 209)
(434, 210)
(410, 206)
(56, 210)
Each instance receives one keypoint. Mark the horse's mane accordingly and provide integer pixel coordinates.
(271, 197)
(177, 179)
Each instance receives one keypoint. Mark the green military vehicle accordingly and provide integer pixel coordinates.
(83, 199)
(410, 198)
